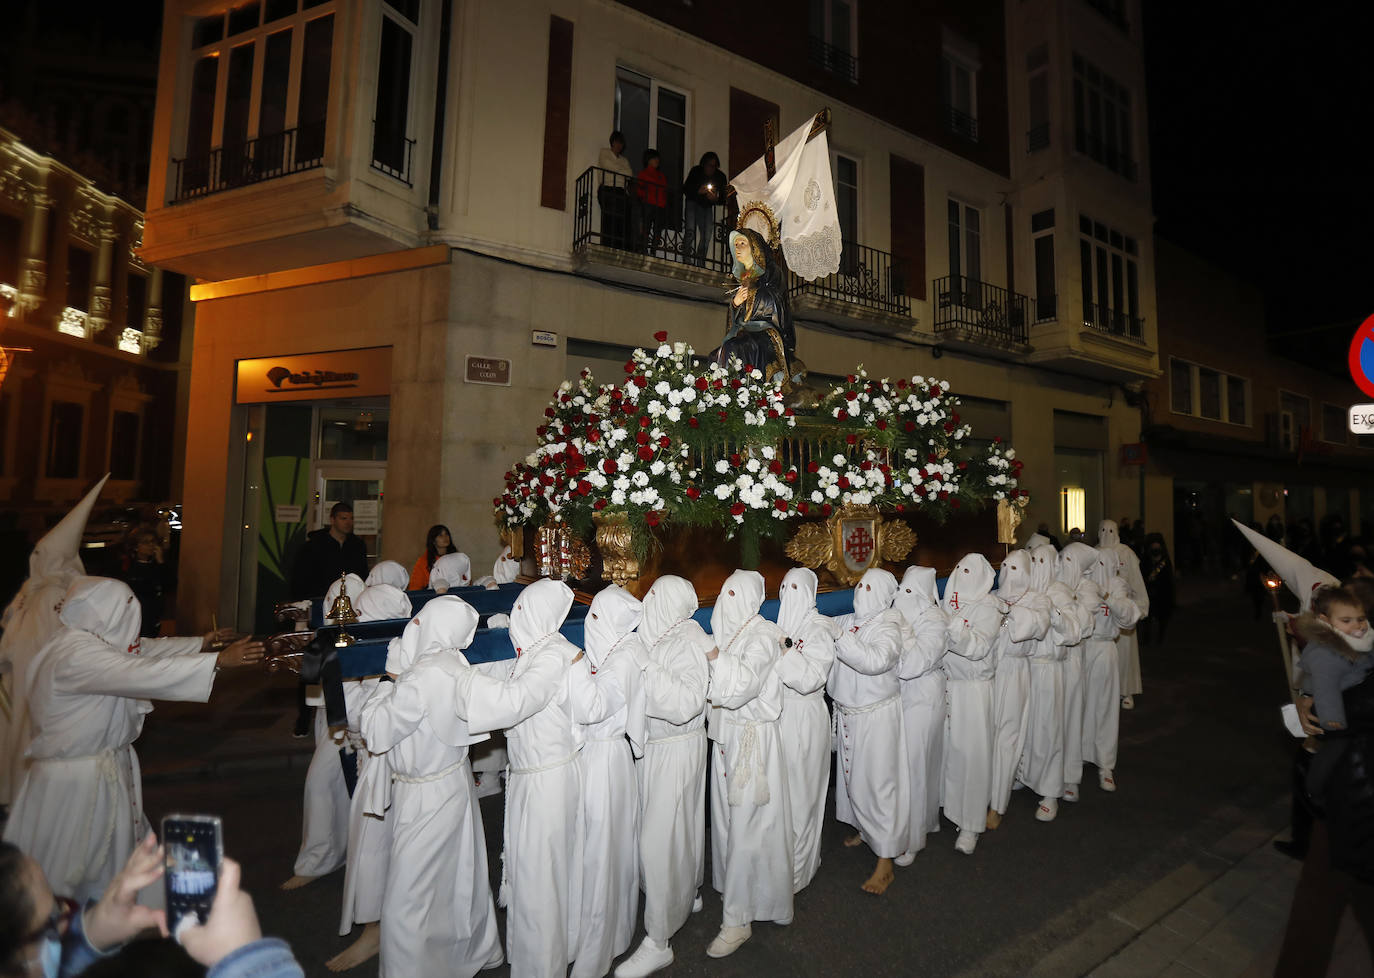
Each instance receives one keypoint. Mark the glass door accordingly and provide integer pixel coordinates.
(362, 486)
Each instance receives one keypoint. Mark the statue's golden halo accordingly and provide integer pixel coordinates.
(758, 216)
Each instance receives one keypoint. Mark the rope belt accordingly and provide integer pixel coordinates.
(850, 711)
(427, 778)
(543, 767)
(697, 732)
(749, 766)
(107, 771)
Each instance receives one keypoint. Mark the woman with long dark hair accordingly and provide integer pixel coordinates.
(438, 541)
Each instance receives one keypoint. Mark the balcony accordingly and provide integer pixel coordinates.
(869, 286)
(1046, 308)
(392, 153)
(1112, 158)
(978, 313)
(1121, 324)
(960, 123)
(836, 61)
(1038, 138)
(249, 162)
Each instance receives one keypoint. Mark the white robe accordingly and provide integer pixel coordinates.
(79, 812)
(1026, 623)
(872, 773)
(324, 815)
(805, 731)
(1127, 646)
(1074, 561)
(369, 834)
(923, 719)
(438, 917)
(672, 773)
(751, 819)
(1042, 755)
(1102, 675)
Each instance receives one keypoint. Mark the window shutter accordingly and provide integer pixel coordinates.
(553, 191)
(908, 214)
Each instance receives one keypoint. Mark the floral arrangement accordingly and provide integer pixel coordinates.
(708, 445)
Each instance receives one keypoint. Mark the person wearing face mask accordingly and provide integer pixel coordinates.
(79, 812)
(872, 776)
(602, 688)
(1127, 646)
(1074, 562)
(1101, 669)
(437, 913)
(672, 773)
(751, 824)
(805, 723)
(975, 620)
(1042, 753)
(1024, 627)
(923, 701)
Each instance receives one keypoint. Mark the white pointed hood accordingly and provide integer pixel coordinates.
(389, 572)
(739, 600)
(1036, 540)
(796, 600)
(917, 593)
(1105, 569)
(539, 613)
(1108, 534)
(1300, 574)
(873, 594)
(506, 569)
(445, 622)
(381, 602)
(970, 580)
(106, 608)
(614, 613)
(1074, 562)
(670, 601)
(1044, 566)
(356, 586)
(1014, 579)
(58, 553)
(450, 571)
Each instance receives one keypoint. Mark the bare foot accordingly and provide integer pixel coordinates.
(363, 949)
(881, 879)
(994, 819)
(296, 882)
(856, 839)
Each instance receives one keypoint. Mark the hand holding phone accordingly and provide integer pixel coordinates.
(194, 847)
(232, 922)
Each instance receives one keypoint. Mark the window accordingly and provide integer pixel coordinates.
(654, 116)
(259, 92)
(78, 278)
(355, 433)
(391, 119)
(1038, 97)
(124, 432)
(1102, 118)
(1204, 392)
(965, 252)
(1110, 278)
(10, 230)
(1299, 408)
(136, 300)
(834, 28)
(959, 86)
(1335, 424)
(1042, 241)
(846, 172)
(65, 422)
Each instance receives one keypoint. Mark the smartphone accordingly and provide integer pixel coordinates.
(194, 845)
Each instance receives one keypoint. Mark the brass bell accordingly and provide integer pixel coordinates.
(341, 613)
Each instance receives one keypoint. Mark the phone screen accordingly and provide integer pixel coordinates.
(194, 846)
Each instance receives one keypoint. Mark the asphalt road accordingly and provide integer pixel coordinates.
(1201, 755)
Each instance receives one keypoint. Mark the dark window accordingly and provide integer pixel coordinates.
(1180, 386)
(244, 17)
(847, 197)
(1045, 298)
(208, 30)
(64, 440)
(124, 429)
(277, 9)
(238, 96)
(1335, 424)
(10, 230)
(1236, 401)
(137, 300)
(393, 95)
(276, 74)
(1209, 394)
(201, 117)
(409, 9)
(78, 278)
(1102, 118)
(313, 105)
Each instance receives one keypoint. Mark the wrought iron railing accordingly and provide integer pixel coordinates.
(868, 278)
(961, 123)
(251, 161)
(392, 153)
(1046, 308)
(1115, 322)
(614, 211)
(989, 312)
(837, 61)
(1038, 138)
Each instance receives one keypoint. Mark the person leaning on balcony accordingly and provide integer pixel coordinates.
(651, 203)
(612, 191)
(703, 189)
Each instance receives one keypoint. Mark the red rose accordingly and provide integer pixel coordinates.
(775, 466)
(901, 508)
(763, 402)
(645, 452)
(593, 419)
(772, 412)
(628, 408)
(865, 465)
(791, 475)
(812, 465)
(949, 428)
(842, 415)
(524, 490)
(954, 503)
(901, 384)
(851, 379)
(748, 367)
(496, 500)
(724, 415)
(996, 439)
(844, 482)
(640, 380)
(642, 436)
(617, 394)
(661, 336)
(932, 458)
(954, 417)
(665, 441)
(803, 508)
(788, 413)
(599, 504)
(629, 366)
(735, 460)
(692, 422)
(644, 421)
(781, 505)
(850, 395)
(584, 488)
(963, 466)
(737, 509)
(881, 425)
(593, 435)
(734, 383)
(693, 492)
(909, 427)
(851, 439)
(702, 383)
(548, 412)
(608, 466)
(825, 509)
(651, 517)
(541, 429)
(944, 494)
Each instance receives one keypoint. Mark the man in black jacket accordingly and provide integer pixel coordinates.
(328, 552)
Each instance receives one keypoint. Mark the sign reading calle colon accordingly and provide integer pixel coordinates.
(487, 370)
(315, 376)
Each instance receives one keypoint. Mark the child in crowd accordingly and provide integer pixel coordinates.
(1336, 655)
(651, 191)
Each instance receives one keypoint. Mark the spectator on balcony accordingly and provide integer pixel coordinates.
(612, 191)
(703, 189)
(651, 203)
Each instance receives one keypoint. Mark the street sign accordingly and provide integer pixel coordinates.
(1362, 419)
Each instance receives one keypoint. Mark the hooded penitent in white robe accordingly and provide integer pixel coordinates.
(1042, 754)
(1101, 672)
(603, 685)
(975, 618)
(355, 589)
(1127, 646)
(1074, 562)
(543, 826)
(1035, 541)
(382, 602)
(389, 572)
(751, 821)
(805, 723)
(923, 697)
(29, 621)
(450, 571)
(506, 569)
(1301, 576)
(79, 812)
(672, 773)
(872, 776)
(438, 917)
(1026, 623)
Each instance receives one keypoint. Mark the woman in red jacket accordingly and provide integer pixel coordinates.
(651, 192)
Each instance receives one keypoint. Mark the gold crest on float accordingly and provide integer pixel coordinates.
(854, 539)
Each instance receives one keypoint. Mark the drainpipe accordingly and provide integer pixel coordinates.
(436, 154)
